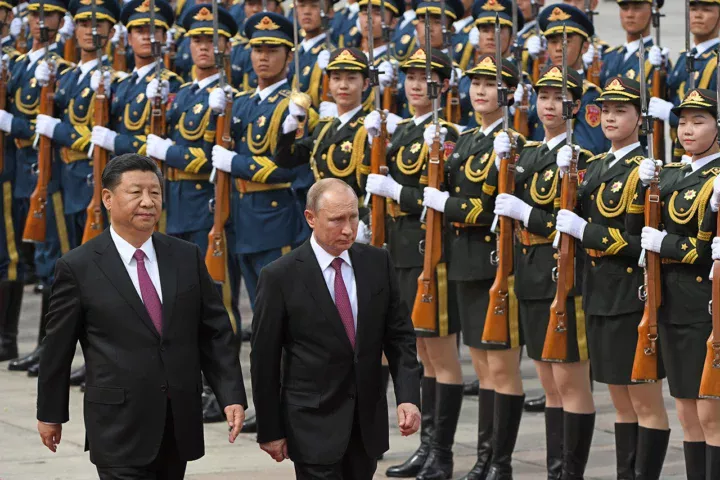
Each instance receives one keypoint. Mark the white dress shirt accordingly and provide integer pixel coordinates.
(491, 128)
(698, 164)
(267, 91)
(34, 56)
(143, 71)
(632, 47)
(310, 43)
(85, 68)
(325, 260)
(127, 251)
(206, 81)
(707, 45)
(347, 116)
(555, 141)
(622, 153)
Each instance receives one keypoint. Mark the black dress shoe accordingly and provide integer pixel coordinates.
(472, 388)
(77, 377)
(536, 404)
(34, 370)
(24, 363)
(250, 425)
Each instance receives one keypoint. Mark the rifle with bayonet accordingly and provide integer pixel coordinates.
(425, 308)
(593, 73)
(659, 84)
(35, 225)
(389, 96)
(21, 42)
(119, 63)
(520, 120)
(301, 99)
(3, 103)
(689, 55)
(555, 348)
(94, 223)
(157, 112)
(217, 254)
(645, 365)
(542, 58)
(496, 330)
(452, 100)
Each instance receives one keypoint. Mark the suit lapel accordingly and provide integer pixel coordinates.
(168, 277)
(316, 287)
(108, 260)
(362, 284)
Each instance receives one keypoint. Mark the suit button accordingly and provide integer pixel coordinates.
(629, 270)
(351, 396)
(163, 388)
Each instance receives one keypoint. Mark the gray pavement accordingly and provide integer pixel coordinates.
(22, 456)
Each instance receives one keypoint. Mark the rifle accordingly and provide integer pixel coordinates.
(689, 56)
(300, 98)
(659, 84)
(496, 330)
(325, 22)
(425, 308)
(70, 50)
(3, 105)
(36, 222)
(555, 348)
(520, 121)
(119, 55)
(94, 223)
(170, 53)
(21, 42)
(710, 380)
(389, 96)
(452, 99)
(216, 255)
(541, 59)
(157, 115)
(593, 73)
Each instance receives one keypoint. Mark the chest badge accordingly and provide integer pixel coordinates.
(548, 175)
(415, 147)
(485, 157)
(690, 194)
(33, 82)
(85, 92)
(616, 187)
(306, 71)
(261, 121)
(140, 97)
(197, 108)
(346, 146)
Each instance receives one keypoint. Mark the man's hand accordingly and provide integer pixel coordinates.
(277, 449)
(235, 415)
(408, 418)
(50, 434)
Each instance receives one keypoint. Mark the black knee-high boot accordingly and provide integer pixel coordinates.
(508, 412)
(712, 462)
(486, 414)
(651, 449)
(11, 294)
(577, 438)
(554, 420)
(626, 435)
(33, 359)
(694, 460)
(439, 464)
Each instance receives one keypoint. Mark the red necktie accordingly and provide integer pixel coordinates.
(149, 295)
(342, 301)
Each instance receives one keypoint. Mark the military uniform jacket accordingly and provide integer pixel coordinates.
(344, 29)
(241, 69)
(183, 60)
(538, 184)
(407, 157)
(311, 74)
(130, 111)
(611, 276)
(471, 179)
(463, 51)
(191, 126)
(268, 217)
(9, 153)
(614, 64)
(24, 105)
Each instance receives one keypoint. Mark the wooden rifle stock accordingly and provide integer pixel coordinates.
(36, 222)
(70, 50)
(157, 119)
(425, 308)
(645, 364)
(378, 166)
(537, 68)
(452, 105)
(216, 255)
(94, 223)
(710, 381)
(496, 319)
(388, 99)
(593, 73)
(520, 121)
(659, 87)
(555, 348)
(119, 57)
(326, 97)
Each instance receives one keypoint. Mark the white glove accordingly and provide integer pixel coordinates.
(45, 125)
(660, 109)
(435, 199)
(16, 27)
(217, 100)
(372, 124)
(429, 134)
(534, 46)
(296, 110)
(651, 239)
(363, 233)
(570, 223)
(501, 146)
(157, 147)
(474, 37)
(120, 33)
(387, 74)
(328, 109)
(589, 56)
(170, 38)
(155, 88)
(715, 199)
(323, 59)
(510, 206)
(716, 249)
(68, 27)
(222, 158)
(383, 185)
(6, 121)
(290, 124)
(95, 80)
(646, 171)
(519, 94)
(43, 72)
(657, 56)
(104, 138)
(564, 158)
(391, 121)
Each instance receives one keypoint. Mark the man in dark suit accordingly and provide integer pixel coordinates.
(324, 314)
(149, 320)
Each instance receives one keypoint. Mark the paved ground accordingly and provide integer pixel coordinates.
(22, 457)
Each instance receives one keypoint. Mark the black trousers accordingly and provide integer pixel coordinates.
(356, 464)
(167, 465)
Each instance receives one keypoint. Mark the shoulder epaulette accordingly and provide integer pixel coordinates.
(597, 157)
(168, 74)
(445, 123)
(284, 93)
(186, 84)
(674, 165)
(532, 144)
(588, 85)
(326, 119)
(611, 49)
(245, 92)
(583, 151)
(468, 131)
(404, 120)
(21, 57)
(636, 160)
(468, 27)
(714, 171)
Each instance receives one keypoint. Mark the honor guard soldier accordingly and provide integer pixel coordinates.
(404, 32)
(682, 240)
(7, 42)
(265, 211)
(704, 26)
(407, 161)
(243, 75)
(612, 308)
(132, 96)
(18, 121)
(579, 31)
(570, 412)
(345, 31)
(461, 28)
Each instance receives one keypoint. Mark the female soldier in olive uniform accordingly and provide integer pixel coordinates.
(570, 411)
(684, 323)
(468, 207)
(612, 278)
(407, 162)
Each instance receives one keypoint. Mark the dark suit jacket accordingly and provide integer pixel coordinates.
(131, 371)
(307, 380)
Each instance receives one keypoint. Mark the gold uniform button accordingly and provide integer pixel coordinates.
(242, 139)
(258, 137)
(556, 256)
(629, 270)
(524, 251)
(457, 189)
(592, 197)
(198, 186)
(698, 279)
(273, 203)
(488, 238)
(592, 263)
(589, 220)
